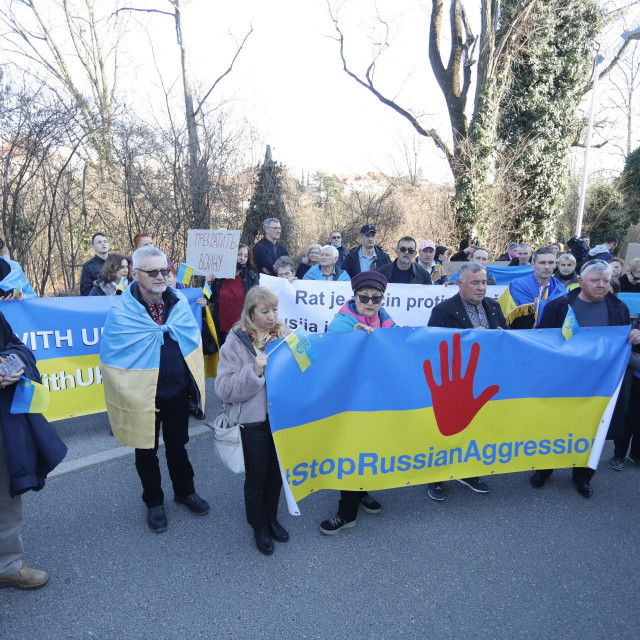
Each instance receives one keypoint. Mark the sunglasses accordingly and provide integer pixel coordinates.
(408, 250)
(365, 299)
(154, 272)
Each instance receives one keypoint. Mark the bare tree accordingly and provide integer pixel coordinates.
(82, 61)
(193, 110)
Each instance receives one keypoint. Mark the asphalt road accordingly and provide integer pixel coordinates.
(516, 563)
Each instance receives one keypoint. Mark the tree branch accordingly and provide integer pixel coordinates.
(117, 11)
(368, 84)
(227, 72)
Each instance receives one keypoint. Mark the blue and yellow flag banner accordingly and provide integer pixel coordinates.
(65, 335)
(29, 397)
(184, 273)
(301, 347)
(503, 274)
(570, 325)
(439, 404)
(206, 291)
(123, 284)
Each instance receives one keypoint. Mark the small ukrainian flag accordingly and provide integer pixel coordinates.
(206, 291)
(17, 293)
(570, 325)
(123, 284)
(29, 397)
(303, 351)
(184, 273)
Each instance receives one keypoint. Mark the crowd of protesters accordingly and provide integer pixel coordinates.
(557, 279)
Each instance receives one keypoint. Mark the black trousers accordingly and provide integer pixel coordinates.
(173, 417)
(262, 482)
(579, 474)
(631, 425)
(348, 505)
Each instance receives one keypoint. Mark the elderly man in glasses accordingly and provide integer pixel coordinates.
(151, 362)
(403, 270)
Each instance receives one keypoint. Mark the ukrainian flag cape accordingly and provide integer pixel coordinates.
(130, 362)
(17, 280)
(522, 298)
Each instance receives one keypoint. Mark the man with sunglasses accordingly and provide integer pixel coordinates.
(152, 365)
(403, 270)
(335, 240)
(368, 256)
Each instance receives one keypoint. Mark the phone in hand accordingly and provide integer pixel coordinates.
(10, 365)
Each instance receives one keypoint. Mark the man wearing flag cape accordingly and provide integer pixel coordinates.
(524, 299)
(151, 362)
(590, 305)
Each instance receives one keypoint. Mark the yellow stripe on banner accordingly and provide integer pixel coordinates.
(386, 449)
(75, 386)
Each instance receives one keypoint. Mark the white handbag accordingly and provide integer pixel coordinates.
(228, 442)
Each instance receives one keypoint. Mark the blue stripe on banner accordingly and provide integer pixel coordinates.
(632, 300)
(67, 327)
(361, 372)
(503, 275)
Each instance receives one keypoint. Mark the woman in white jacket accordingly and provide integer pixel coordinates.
(241, 382)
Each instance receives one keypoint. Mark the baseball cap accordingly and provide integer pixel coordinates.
(368, 228)
(427, 244)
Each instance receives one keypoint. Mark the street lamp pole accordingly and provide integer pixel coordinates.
(627, 35)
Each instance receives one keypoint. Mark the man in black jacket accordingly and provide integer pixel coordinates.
(593, 306)
(91, 268)
(403, 270)
(468, 309)
(368, 256)
(268, 250)
(29, 449)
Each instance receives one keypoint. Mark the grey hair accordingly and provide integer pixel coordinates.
(146, 252)
(474, 267)
(334, 251)
(284, 261)
(268, 221)
(597, 265)
(524, 244)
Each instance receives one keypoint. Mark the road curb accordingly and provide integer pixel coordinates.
(111, 455)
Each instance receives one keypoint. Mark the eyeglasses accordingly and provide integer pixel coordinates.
(408, 250)
(275, 228)
(336, 237)
(633, 276)
(153, 273)
(365, 299)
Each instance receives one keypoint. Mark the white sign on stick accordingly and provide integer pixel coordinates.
(213, 251)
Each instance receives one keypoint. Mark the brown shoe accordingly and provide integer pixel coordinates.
(26, 578)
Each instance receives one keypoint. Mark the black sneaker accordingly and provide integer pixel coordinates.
(369, 504)
(194, 503)
(157, 519)
(617, 464)
(331, 526)
(475, 484)
(634, 459)
(435, 491)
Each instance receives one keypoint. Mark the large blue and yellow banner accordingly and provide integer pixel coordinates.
(409, 406)
(64, 335)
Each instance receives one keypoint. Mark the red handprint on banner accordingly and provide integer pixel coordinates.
(453, 403)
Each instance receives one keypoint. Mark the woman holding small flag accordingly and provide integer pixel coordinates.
(241, 381)
(113, 278)
(363, 311)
